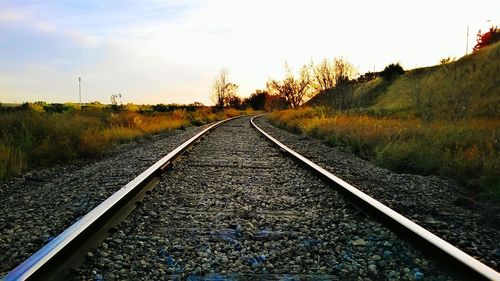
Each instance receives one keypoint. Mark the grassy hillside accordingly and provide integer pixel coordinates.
(441, 120)
(468, 87)
(467, 150)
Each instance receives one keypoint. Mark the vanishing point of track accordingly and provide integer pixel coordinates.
(233, 206)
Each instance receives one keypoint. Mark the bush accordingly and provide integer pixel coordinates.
(34, 107)
(488, 38)
(391, 71)
(257, 100)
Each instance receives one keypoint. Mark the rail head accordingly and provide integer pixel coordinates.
(40, 258)
(476, 267)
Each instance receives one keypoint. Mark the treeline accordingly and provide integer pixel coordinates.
(336, 79)
(41, 106)
(291, 91)
(225, 95)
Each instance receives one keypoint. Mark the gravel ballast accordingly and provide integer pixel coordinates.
(236, 207)
(438, 204)
(38, 205)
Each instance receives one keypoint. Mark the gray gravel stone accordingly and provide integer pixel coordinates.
(359, 242)
(38, 205)
(214, 209)
(430, 201)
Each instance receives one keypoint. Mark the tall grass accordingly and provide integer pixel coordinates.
(467, 87)
(467, 151)
(30, 138)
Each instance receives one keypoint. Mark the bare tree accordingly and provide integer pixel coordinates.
(328, 74)
(293, 90)
(232, 99)
(344, 70)
(323, 75)
(223, 91)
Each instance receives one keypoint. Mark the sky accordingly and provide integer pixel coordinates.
(153, 51)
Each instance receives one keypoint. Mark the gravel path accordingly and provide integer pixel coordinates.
(38, 205)
(437, 204)
(234, 206)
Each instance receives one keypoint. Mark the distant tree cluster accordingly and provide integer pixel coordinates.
(311, 80)
(224, 94)
(391, 71)
(257, 100)
(490, 37)
(95, 106)
(262, 100)
(336, 78)
(368, 76)
(171, 107)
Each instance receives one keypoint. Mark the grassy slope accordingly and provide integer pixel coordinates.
(449, 126)
(474, 76)
(479, 70)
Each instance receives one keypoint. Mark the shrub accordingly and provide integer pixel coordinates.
(490, 37)
(131, 107)
(391, 71)
(447, 60)
(257, 100)
(34, 107)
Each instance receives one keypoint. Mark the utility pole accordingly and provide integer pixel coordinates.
(467, 43)
(80, 90)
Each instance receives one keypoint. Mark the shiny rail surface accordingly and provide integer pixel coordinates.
(42, 257)
(471, 266)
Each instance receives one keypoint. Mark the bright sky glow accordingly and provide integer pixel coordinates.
(156, 51)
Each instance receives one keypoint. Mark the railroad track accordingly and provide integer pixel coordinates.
(234, 206)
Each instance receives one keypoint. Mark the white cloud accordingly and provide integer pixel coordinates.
(12, 15)
(84, 40)
(26, 17)
(166, 60)
(44, 26)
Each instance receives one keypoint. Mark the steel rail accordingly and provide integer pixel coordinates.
(467, 264)
(36, 262)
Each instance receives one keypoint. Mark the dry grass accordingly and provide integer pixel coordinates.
(30, 138)
(474, 77)
(466, 88)
(466, 150)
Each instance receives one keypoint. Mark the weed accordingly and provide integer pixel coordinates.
(32, 136)
(466, 150)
